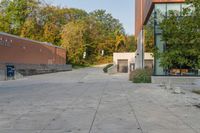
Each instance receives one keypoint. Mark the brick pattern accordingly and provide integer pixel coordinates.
(18, 50)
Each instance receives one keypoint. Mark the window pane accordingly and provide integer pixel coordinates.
(161, 8)
(174, 7)
(160, 45)
(160, 12)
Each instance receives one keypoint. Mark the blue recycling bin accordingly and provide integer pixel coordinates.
(10, 71)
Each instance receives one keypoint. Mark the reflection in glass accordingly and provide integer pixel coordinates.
(160, 12)
(176, 8)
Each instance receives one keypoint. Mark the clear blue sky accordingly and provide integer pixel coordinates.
(120, 9)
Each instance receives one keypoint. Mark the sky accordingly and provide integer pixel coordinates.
(120, 9)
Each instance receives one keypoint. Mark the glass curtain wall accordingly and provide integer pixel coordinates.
(160, 12)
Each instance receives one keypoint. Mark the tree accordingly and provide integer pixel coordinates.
(15, 13)
(131, 43)
(4, 24)
(181, 36)
(54, 18)
(149, 35)
(60, 16)
(109, 24)
(120, 42)
(31, 29)
(73, 41)
(52, 33)
(97, 33)
(111, 32)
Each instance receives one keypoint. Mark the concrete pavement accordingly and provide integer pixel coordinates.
(89, 101)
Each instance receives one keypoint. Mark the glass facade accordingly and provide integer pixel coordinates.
(160, 12)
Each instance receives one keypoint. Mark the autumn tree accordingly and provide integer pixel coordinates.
(149, 35)
(131, 43)
(97, 33)
(15, 13)
(51, 33)
(111, 31)
(54, 18)
(31, 29)
(73, 41)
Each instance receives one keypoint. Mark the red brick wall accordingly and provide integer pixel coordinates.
(19, 50)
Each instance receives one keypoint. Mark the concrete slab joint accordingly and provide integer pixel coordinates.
(89, 101)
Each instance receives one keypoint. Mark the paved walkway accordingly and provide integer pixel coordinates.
(89, 101)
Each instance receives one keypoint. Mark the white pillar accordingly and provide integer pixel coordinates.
(139, 61)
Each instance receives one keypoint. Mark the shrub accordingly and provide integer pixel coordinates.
(141, 76)
(105, 69)
(103, 60)
(196, 91)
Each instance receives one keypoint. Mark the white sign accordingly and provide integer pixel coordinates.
(102, 52)
(84, 55)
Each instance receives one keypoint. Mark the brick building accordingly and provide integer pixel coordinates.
(28, 55)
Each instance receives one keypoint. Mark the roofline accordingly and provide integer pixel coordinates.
(152, 7)
(26, 39)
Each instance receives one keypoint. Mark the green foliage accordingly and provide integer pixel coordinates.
(51, 33)
(131, 43)
(149, 35)
(15, 13)
(103, 59)
(73, 41)
(182, 39)
(141, 76)
(74, 29)
(31, 29)
(105, 69)
(109, 24)
(91, 35)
